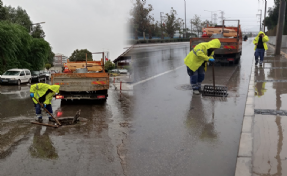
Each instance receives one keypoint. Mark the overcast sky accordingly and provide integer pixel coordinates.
(99, 25)
(95, 25)
(245, 10)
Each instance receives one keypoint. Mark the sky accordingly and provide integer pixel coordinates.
(100, 25)
(96, 25)
(244, 10)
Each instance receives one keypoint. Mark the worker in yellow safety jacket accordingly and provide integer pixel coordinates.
(260, 46)
(44, 94)
(196, 62)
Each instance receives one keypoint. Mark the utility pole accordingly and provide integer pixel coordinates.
(185, 17)
(280, 27)
(214, 18)
(260, 15)
(161, 25)
(222, 17)
(265, 16)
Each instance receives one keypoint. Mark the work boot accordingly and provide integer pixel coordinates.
(256, 62)
(260, 64)
(200, 90)
(196, 92)
(40, 120)
(51, 119)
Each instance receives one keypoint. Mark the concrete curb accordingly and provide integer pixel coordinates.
(245, 151)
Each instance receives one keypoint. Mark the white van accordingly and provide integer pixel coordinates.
(16, 76)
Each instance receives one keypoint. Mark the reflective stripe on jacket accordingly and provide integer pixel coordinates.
(199, 55)
(40, 89)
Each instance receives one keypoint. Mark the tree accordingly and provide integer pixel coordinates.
(48, 66)
(18, 16)
(206, 23)
(20, 49)
(197, 23)
(3, 12)
(80, 55)
(141, 18)
(109, 65)
(50, 59)
(172, 24)
(39, 53)
(37, 31)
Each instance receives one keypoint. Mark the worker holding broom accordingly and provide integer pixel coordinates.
(43, 93)
(260, 46)
(196, 62)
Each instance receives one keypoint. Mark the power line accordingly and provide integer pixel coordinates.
(222, 16)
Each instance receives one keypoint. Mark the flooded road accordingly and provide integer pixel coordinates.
(94, 147)
(176, 133)
(161, 129)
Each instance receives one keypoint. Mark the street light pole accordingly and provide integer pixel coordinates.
(35, 24)
(185, 17)
(265, 16)
(280, 27)
(161, 25)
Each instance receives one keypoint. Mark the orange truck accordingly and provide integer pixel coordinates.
(230, 38)
(82, 80)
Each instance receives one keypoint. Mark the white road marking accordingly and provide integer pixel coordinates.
(143, 81)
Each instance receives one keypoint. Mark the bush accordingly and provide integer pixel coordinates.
(109, 65)
(48, 66)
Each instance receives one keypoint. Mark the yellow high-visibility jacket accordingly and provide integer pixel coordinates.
(265, 39)
(198, 55)
(40, 89)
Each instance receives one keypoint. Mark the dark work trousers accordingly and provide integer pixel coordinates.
(259, 53)
(196, 77)
(38, 110)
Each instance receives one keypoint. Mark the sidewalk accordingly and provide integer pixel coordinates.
(261, 150)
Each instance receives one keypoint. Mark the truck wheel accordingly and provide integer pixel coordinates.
(39, 80)
(237, 61)
(19, 82)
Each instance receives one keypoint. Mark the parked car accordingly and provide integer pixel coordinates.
(48, 75)
(38, 76)
(123, 71)
(16, 76)
(120, 71)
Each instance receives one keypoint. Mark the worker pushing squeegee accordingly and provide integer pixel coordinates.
(196, 62)
(42, 95)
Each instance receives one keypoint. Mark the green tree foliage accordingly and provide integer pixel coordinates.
(109, 65)
(37, 32)
(48, 66)
(141, 17)
(51, 58)
(80, 55)
(3, 12)
(172, 23)
(39, 53)
(18, 16)
(19, 49)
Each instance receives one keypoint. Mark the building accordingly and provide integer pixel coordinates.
(59, 59)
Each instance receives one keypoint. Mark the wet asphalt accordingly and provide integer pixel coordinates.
(176, 133)
(159, 129)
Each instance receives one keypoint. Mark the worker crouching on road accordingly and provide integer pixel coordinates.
(260, 46)
(44, 94)
(196, 62)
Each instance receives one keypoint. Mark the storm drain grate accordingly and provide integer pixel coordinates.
(270, 112)
(271, 81)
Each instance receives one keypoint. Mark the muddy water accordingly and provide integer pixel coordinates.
(94, 147)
